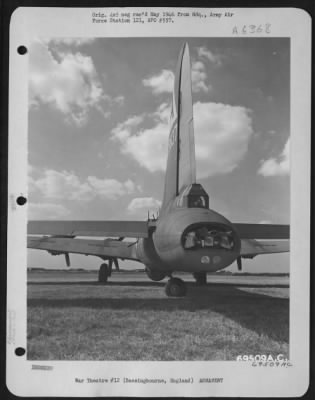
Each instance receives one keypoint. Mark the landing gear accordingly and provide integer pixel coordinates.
(201, 278)
(115, 262)
(155, 275)
(175, 287)
(104, 272)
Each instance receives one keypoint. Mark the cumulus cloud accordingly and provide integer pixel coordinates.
(278, 166)
(222, 133)
(141, 203)
(164, 81)
(147, 146)
(162, 113)
(46, 210)
(122, 130)
(110, 188)
(205, 53)
(222, 136)
(199, 77)
(59, 185)
(160, 83)
(53, 184)
(130, 122)
(67, 82)
(72, 41)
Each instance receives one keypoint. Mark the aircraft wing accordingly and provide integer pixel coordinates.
(263, 239)
(262, 231)
(58, 237)
(134, 229)
(101, 248)
(251, 247)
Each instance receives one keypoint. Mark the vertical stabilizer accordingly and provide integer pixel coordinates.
(181, 164)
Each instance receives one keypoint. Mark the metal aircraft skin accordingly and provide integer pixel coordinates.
(186, 236)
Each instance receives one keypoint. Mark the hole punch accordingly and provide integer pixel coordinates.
(20, 351)
(22, 50)
(21, 200)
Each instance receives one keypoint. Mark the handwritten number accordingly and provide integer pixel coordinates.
(252, 29)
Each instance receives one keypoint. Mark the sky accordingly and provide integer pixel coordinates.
(98, 130)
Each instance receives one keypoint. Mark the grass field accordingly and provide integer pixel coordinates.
(132, 319)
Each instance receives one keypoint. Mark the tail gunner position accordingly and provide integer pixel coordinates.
(187, 236)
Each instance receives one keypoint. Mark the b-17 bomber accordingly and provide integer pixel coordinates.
(187, 235)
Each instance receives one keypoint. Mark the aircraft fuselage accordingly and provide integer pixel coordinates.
(191, 240)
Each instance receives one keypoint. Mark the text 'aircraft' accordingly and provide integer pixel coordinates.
(187, 235)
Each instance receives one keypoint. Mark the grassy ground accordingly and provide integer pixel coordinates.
(136, 321)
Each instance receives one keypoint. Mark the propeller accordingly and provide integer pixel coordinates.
(239, 263)
(67, 257)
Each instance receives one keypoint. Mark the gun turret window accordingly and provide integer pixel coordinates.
(209, 237)
(193, 196)
(197, 201)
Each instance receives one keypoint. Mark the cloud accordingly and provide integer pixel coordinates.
(111, 188)
(46, 210)
(199, 78)
(122, 130)
(60, 185)
(205, 53)
(222, 136)
(120, 100)
(278, 166)
(141, 203)
(162, 113)
(147, 146)
(222, 133)
(65, 81)
(164, 81)
(53, 184)
(72, 41)
(130, 122)
(161, 83)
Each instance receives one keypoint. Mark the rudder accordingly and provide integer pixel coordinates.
(181, 164)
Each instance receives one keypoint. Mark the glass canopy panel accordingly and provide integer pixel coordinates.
(208, 236)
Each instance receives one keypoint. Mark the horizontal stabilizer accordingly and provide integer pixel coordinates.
(251, 248)
(262, 231)
(135, 229)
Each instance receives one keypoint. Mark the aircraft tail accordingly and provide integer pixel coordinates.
(181, 164)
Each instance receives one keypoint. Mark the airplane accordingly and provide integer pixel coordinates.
(186, 236)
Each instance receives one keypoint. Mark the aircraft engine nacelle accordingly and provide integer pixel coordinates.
(196, 240)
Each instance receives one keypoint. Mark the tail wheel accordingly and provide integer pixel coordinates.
(175, 287)
(103, 273)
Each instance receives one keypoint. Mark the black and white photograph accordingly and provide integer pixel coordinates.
(160, 225)
(180, 155)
